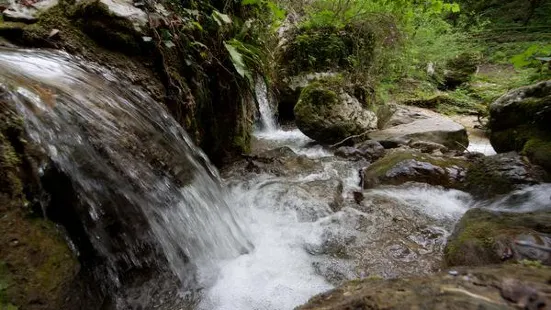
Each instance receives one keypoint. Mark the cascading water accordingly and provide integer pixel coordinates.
(267, 116)
(142, 185)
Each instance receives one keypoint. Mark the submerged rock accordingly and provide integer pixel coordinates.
(493, 287)
(402, 166)
(328, 114)
(370, 150)
(521, 121)
(485, 237)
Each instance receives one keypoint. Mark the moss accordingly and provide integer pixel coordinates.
(36, 264)
(479, 236)
(539, 151)
(384, 164)
(377, 173)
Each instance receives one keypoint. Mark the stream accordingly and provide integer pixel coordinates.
(310, 234)
(266, 234)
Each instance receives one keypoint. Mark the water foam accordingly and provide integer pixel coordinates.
(278, 273)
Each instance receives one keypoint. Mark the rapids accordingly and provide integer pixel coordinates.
(146, 196)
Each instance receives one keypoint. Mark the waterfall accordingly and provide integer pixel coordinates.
(267, 116)
(142, 186)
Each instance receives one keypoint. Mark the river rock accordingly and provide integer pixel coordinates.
(489, 176)
(435, 128)
(393, 232)
(490, 237)
(493, 287)
(521, 121)
(18, 12)
(280, 162)
(328, 114)
(403, 166)
(370, 150)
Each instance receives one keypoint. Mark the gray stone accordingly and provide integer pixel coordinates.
(370, 150)
(327, 114)
(435, 129)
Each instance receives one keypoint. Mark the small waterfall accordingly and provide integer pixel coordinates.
(142, 186)
(267, 116)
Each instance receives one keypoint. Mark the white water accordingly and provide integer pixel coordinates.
(267, 115)
(94, 127)
(288, 224)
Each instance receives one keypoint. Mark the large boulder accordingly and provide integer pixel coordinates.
(309, 53)
(407, 166)
(485, 237)
(489, 176)
(493, 287)
(419, 124)
(521, 121)
(327, 113)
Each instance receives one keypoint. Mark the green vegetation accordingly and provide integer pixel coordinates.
(467, 52)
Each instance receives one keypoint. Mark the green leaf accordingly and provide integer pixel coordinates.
(250, 2)
(221, 18)
(237, 60)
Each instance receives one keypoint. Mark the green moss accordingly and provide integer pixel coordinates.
(539, 151)
(381, 166)
(36, 265)
(481, 233)
(377, 173)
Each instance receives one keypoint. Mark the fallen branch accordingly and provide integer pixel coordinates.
(351, 137)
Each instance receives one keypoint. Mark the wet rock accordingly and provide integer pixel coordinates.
(494, 287)
(388, 232)
(370, 150)
(500, 174)
(401, 167)
(37, 267)
(328, 114)
(280, 162)
(489, 237)
(436, 129)
(521, 121)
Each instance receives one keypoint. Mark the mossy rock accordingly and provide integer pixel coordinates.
(485, 237)
(500, 174)
(460, 69)
(521, 121)
(326, 113)
(472, 288)
(408, 166)
(37, 267)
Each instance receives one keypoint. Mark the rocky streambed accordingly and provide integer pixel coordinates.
(406, 205)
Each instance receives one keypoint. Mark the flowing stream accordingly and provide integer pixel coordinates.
(142, 185)
(266, 235)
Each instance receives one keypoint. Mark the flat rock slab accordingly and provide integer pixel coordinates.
(437, 129)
